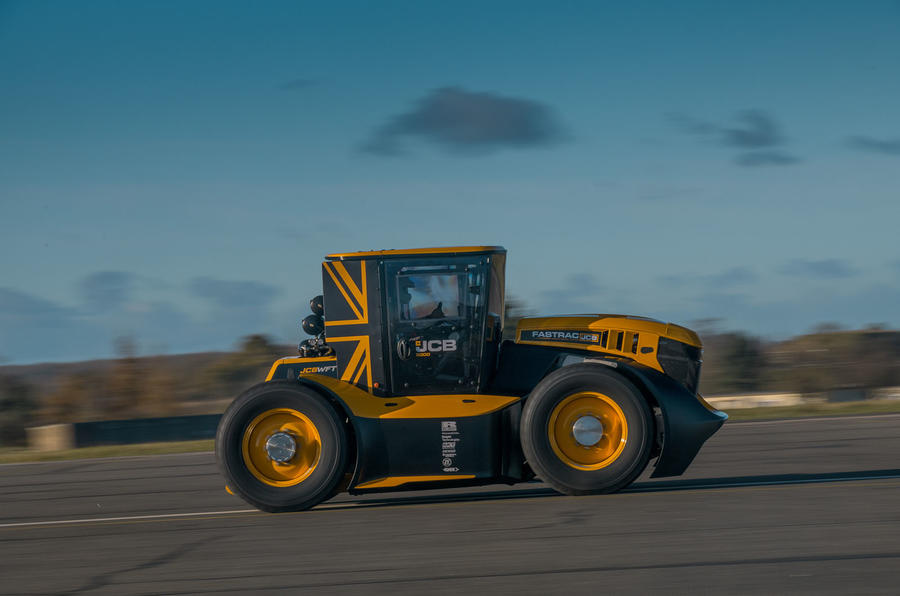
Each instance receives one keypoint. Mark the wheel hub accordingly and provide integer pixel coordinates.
(587, 430)
(281, 447)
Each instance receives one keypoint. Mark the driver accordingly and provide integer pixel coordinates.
(437, 313)
(418, 299)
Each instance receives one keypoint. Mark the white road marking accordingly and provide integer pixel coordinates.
(57, 522)
(112, 458)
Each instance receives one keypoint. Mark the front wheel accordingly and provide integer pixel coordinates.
(282, 447)
(586, 430)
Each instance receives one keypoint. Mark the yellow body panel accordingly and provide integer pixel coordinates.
(366, 405)
(392, 481)
(648, 332)
(441, 250)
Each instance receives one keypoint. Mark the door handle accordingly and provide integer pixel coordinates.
(403, 350)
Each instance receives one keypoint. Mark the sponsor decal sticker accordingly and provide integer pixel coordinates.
(563, 335)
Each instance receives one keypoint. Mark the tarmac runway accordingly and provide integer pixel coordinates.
(801, 507)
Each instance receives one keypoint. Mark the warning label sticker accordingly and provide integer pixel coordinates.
(449, 439)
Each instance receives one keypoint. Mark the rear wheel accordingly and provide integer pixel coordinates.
(282, 447)
(586, 430)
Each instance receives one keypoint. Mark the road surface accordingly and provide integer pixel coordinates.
(803, 507)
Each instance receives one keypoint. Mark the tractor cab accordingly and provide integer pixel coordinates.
(423, 321)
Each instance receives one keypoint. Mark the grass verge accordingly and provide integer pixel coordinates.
(873, 406)
(16, 455)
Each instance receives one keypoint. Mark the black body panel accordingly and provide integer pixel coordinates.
(521, 367)
(428, 447)
(485, 446)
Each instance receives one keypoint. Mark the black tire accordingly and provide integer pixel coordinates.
(325, 477)
(536, 439)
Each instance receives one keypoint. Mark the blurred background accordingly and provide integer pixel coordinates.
(171, 174)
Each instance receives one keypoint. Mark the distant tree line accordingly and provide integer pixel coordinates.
(132, 386)
(828, 359)
(18, 405)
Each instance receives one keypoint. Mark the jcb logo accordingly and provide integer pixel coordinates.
(436, 345)
(318, 370)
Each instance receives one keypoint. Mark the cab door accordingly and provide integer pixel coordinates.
(435, 322)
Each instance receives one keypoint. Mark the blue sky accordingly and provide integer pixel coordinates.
(175, 171)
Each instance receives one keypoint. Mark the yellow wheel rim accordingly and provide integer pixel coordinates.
(598, 411)
(308, 447)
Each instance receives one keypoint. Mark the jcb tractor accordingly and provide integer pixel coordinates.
(408, 384)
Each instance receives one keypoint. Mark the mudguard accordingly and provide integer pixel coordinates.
(688, 422)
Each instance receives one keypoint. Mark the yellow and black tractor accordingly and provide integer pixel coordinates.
(408, 384)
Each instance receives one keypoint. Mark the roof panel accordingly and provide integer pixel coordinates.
(440, 250)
